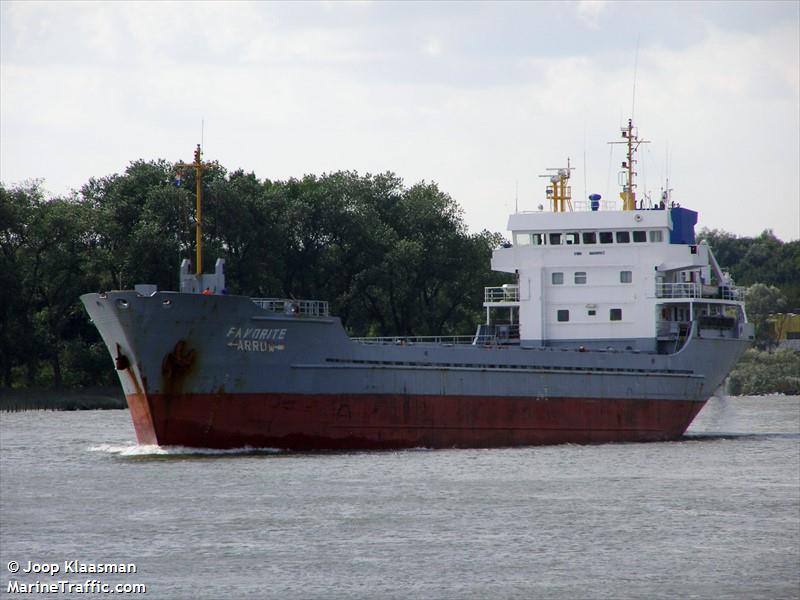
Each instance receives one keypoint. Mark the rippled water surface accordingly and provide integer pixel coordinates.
(714, 516)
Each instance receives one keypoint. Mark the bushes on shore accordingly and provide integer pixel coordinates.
(760, 372)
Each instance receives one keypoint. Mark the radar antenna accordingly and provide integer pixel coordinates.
(559, 193)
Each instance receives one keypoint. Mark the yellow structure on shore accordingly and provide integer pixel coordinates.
(786, 328)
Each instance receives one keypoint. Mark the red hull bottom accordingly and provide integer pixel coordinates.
(371, 422)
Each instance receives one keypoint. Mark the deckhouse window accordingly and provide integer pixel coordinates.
(571, 238)
(655, 236)
(555, 239)
(562, 315)
(615, 314)
(580, 277)
(522, 239)
(538, 239)
(623, 237)
(606, 237)
(589, 237)
(639, 236)
(625, 276)
(557, 278)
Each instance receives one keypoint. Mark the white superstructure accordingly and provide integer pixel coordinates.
(625, 279)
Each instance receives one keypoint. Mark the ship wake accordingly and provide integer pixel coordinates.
(153, 451)
(699, 436)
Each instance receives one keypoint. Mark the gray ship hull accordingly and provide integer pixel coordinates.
(219, 371)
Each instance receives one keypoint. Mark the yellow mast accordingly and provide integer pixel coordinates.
(199, 167)
(559, 193)
(632, 141)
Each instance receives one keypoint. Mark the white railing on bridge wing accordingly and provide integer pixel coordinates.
(732, 292)
(503, 293)
(678, 290)
(306, 308)
(697, 290)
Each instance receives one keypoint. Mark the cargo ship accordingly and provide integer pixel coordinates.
(616, 325)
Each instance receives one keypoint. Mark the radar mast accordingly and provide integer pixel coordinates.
(558, 192)
(630, 138)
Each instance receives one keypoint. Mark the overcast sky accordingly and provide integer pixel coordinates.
(479, 97)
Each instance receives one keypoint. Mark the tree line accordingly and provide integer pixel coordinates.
(392, 259)
(769, 268)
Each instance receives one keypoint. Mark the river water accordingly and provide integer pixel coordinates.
(714, 516)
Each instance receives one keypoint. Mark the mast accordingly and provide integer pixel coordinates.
(199, 167)
(631, 140)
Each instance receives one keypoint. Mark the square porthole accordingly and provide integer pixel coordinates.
(615, 314)
(592, 312)
(562, 315)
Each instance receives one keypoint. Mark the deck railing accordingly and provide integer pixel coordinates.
(306, 308)
(503, 293)
(678, 290)
(417, 339)
(697, 290)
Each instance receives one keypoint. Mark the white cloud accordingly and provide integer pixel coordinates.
(433, 47)
(589, 11)
(284, 95)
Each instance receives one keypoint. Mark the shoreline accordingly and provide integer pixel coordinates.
(99, 398)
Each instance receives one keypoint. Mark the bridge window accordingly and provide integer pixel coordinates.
(562, 315)
(606, 237)
(615, 314)
(625, 276)
(555, 239)
(572, 238)
(522, 239)
(580, 277)
(623, 237)
(538, 239)
(639, 236)
(557, 278)
(589, 237)
(655, 236)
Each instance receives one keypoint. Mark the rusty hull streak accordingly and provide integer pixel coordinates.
(121, 361)
(139, 406)
(176, 367)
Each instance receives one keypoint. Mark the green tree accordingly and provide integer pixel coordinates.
(18, 206)
(44, 253)
(142, 225)
(391, 259)
(763, 259)
(762, 301)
